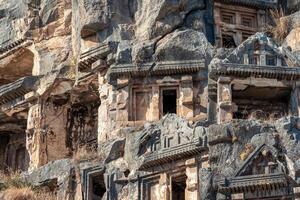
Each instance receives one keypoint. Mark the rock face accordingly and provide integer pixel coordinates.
(132, 99)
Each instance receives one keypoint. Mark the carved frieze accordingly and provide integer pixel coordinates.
(163, 147)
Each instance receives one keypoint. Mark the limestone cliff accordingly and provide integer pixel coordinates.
(149, 99)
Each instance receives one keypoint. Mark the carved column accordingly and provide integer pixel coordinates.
(186, 98)
(191, 191)
(224, 100)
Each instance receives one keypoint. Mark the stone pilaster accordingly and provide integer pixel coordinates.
(122, 101)
(186, 97)
(164, 190)
(191, 191)
(155, 103)
(224, 100)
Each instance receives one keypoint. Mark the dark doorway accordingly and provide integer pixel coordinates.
(178, 188)
(4, 139)
(169, 101)
(20, 159)
(97, 187)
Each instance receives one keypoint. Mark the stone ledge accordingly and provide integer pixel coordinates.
(242, 70)
(253, 3)
(17, 89)
(244, 183)
(171, 154)
(159, 68)
(94, 54)
(14, 46)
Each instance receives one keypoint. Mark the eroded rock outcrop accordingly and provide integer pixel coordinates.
(150, 99)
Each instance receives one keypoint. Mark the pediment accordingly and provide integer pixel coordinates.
(158, 140)
(170, 139)
(263, 161)
(261, 50)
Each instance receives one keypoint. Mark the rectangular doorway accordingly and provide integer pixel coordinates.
(168, 101)
(178, 187)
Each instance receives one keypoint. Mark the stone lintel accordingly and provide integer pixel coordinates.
(122, 81)
(238, 196)
(190, 162)
(224, 80)
(187, 78)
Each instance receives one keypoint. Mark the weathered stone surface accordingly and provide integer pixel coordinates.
(58, 175)
(161, 17)
(184, 45)
(139, 146)
(115, 150)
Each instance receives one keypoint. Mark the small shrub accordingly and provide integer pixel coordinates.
(281, 27)
(85, 153)
(13, 187)
(45, 195)
(25, 193)
(12, 180)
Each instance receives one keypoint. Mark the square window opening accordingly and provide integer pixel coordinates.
(248, 21)
(228, 17)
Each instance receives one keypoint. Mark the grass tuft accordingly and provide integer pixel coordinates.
(281, 25)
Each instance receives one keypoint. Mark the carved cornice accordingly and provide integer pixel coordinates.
(159, 68)
(17, 95)
(167, 155)
(243, 184)
(88, 58)
(242, 70)
(253, 3)
(11, 48)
